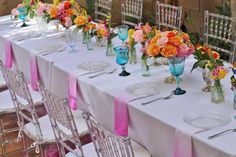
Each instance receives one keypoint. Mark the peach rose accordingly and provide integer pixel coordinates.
(169, 51)
(153, 50)
(147, 28)
(138, 36)
(162, 41)
(68, 22)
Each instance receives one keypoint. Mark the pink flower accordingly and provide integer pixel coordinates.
(147, 28)
(14, 12)
(191, 50)
(60, 6)
(138, 36)
(183, 50)
(41, 9)
(68, 22)
(20, 5)
(162, 41)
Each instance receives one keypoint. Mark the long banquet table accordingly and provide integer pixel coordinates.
(153, 125)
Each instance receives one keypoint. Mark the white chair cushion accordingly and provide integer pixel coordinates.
(48, 135)
(139, 151)
(6, 103)
(2, 81)
(88, 149)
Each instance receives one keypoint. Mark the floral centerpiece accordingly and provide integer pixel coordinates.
(207, 58)
(176, 47)
(102, 34)
(24, 9)
(142, 35)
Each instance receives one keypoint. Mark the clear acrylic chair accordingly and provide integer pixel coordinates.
(219, 34)
(65, 124)
(168, 16)
(131, 12)
(102, 9)
(25, 101)
(108, 144)
(3, 84)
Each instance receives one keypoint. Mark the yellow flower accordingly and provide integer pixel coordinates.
(130, 33)
(80, 20)
(222, 73)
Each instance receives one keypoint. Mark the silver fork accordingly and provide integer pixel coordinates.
(52, 51)
(164, 98)
(142, 97)
(222, 133)
(105, 72)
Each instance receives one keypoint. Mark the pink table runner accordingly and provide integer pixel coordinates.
(34, 72)
(8, 54)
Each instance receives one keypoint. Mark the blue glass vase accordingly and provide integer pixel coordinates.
(22, 15)
(176, 66)
(122, 58)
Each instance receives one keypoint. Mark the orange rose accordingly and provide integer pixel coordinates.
(215, 55)
(69, 12)
(176, 40)
(153, 50)
(53, 12)
(171, 34)
(80, 20)
(169, 51)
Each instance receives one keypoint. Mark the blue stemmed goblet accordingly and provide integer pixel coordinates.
(123, 33)
(22, 15)
(122, 58)
(176, 66)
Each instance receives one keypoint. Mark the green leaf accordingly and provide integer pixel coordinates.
(195, 65)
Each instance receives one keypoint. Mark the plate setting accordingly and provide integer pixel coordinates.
(143, 89)
(206, 120)
(93, 66)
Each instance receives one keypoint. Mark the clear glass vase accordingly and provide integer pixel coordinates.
(217, 93)
(132, 56)
(109, 49)
(71, 38)
(89, 42)
(100, 41)
(206, 75)
(84, 37)
(145, 67)
(42, 24)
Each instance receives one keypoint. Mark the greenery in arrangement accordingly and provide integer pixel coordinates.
(90, 7)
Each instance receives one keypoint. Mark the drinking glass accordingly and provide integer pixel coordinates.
(123, 33)
(176, 66)
(42, 24)
(22, 15)
(122, 58)
(71, 38)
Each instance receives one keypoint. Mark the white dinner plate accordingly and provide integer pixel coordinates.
(49, 48)
(144, 88)
(206, 120)
(93, 66)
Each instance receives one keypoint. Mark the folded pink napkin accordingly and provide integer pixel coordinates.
(183, 140)
(121, 117)
(34, 72)
(8, 54)
(51, 151)
(72, 93)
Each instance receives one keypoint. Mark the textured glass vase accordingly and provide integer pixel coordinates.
(42, 24)
(217, 93)
(132, 56)
(145, 67)
(109, 48)
(89, 42)
(100, 41)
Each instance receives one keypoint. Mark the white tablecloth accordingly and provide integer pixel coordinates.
(152, 125)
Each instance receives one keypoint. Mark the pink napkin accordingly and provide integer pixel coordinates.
(72, 93)
(183, 140)
(121, 117)
(51, 151)
(8, 54)
(34, 72)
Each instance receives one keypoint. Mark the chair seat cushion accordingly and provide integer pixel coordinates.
(88, 149)
(48, 135)
(2, 82)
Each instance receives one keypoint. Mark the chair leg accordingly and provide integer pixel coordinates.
(2, 137)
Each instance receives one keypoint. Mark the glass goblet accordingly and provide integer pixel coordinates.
(176, 66)
(71, 38)
(122, 58)
(22, 15)
(123, 33)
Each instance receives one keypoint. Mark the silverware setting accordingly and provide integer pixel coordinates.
(142, 97)
(222, 133)
(163, 98)
(53, 51)
(105, 72)
(91, 72)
